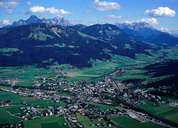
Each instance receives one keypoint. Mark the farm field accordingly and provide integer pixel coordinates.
(8, 118)
(166, 111)
(99, 69)
(26, 75)
(85, 121)
(102, 107)
(46, 122)
(127, 122)
(20, 100)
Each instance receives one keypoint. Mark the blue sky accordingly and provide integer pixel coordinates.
(160, 13)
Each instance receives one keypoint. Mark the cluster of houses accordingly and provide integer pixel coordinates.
(83, 97)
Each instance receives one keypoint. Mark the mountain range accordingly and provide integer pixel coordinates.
(47, 41)
(35, 20)
(147, 33)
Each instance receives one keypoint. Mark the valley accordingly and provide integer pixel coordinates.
(53, 95)
(77, 76)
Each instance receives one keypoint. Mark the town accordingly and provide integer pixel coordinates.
(82, 97)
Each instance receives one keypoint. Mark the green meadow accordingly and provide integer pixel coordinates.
(102, 107)
(25, 75)
(127, 122)
(7, 118)
(30, 101)
(85, 121)
(46, 122)
(164, 111)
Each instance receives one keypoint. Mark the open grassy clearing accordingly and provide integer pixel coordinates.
(26, 75)
(164, 111)
(133, 72)
(14, 109)
(8, 96)
(46, 122)
(131, 77)
(8, 118)
(99, 69)
(85, 121)
(127, 122)
(20, 100)
(102, 107)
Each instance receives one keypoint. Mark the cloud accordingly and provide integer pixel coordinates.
(38, 9)
(50, 10)
(9, 5)
(113, 17)
(161, 12)
(106, 6)
(4, 22)
(151, 21)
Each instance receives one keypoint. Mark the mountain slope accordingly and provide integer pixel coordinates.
(126, 45)
(44, 44)
(145, 32)
(47, 41)
(169, 84)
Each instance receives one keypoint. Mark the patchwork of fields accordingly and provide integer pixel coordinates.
(133, 69)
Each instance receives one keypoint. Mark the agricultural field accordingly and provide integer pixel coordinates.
(13, 98)
(8, 118)
(98, 69)
(127, 122)
(20, 100)
(102, 107)
(164, 111)
(85, 121)
(46, 122)
(26, 75)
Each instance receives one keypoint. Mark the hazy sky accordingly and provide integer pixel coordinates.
(160, 13)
